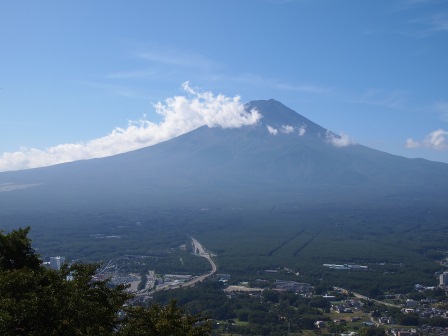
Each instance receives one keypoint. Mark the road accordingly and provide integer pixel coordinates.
(200, 251)
(359, 296)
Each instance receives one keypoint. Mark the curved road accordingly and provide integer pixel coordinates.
(359, 296)
(200, 252)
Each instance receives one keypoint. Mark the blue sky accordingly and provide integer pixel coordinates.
(76, 74)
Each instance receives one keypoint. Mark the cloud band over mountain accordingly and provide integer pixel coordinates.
(181, 114)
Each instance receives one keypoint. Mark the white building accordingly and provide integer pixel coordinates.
(56, 262)
(443, 279)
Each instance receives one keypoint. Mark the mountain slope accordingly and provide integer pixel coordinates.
(285, 157)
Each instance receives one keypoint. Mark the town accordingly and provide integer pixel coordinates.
(339, 311)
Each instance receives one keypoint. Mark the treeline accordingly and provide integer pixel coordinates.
(399, 245)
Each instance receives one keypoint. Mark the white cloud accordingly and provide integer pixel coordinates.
(410, 143)
(287, 129)
(437, 139)
(272, 130)
(341, 140)
(181, 114)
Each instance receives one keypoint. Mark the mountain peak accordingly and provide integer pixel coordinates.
(277, 116)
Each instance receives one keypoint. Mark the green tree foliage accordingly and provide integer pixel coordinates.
(16, 251)
(44, 302)
(319, 302)
(437, 293)
(408, 319)
(336, 328)
(438, 321)
(38, 301)
(166, 320)
(271, 313)
(372, 331)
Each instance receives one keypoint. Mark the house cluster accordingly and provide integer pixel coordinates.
(387, 320)
(172, 281)
(347, 267)
(224, 278)
(423, 309)
(293, 286)
(347, 306)
(176, 278)
(403, 332)
(118, 279)
(426, 312)
(426, 330)
(422, 288)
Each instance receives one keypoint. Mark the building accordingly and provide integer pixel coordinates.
(292, 286)
(443, 279)
(56, 262)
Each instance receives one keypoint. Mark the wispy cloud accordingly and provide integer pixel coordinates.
(181, 114)
(272, 130)
(284, 2)
(117, 89)
(395, 99)
(435, 23)
(428, 17)
(303, 88)
(437, 139)
(415, 5)
(257, 80)
(425, 26)
(286, 129)
(145, 73)
(179, 58)
(411, 143)
(406, 4)
(160, 62)
(441, 108)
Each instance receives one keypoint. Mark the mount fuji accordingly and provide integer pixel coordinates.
(283, 158)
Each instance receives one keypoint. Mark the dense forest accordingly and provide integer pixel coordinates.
(401, 246)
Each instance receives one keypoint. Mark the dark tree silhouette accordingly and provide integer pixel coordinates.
(38, 301)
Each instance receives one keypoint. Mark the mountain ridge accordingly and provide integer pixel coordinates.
(246, 164)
